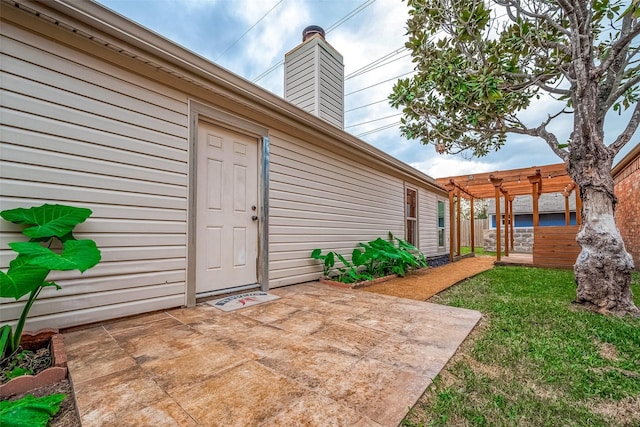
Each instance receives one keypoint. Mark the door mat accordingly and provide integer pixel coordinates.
(247, 299)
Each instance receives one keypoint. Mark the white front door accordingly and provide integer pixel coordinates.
(227, 209)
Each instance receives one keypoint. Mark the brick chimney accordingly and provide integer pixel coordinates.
(314, 77)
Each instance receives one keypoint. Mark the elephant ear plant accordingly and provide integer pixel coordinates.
(44, 225)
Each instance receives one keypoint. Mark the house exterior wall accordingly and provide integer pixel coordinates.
(320, 199)
(80, 131)
(428, 223)
(627, 190)
(88, 125)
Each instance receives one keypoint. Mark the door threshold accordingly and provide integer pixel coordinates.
(206, 296)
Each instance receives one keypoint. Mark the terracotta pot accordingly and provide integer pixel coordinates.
(57, 372)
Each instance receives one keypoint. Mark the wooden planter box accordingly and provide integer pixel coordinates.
(57, 372)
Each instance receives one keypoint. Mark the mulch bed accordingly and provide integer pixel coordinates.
(425, 283)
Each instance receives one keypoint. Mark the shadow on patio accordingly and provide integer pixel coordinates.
(320, 355)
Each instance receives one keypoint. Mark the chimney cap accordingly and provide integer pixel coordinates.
(312, 30)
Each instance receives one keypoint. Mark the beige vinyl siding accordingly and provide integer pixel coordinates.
(300, 86)
(319, 199)
(81, 131)
(331, 91)
(428, 223)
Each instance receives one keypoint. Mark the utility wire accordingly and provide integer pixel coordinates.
(245, 33)
(350, 15)
(366, 105)
(335, 25)
(372, 121)
(377, 61)
(382, 64)
(379, 83)
(372, 131)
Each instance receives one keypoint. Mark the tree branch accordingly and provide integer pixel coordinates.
(628, 132)
(621, 90)
(627, 34)
(546, 17)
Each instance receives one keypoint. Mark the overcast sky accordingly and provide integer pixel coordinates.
(250, 37)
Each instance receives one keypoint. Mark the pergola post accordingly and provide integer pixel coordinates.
(458, 219)
(578, 206)
(511, 219)
(497, 182)
(536, 189)
(506, 223)
(567, 214)
(451, 224)
(473, 229)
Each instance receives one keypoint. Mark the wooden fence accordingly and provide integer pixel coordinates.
(465, 232)
(555, 246)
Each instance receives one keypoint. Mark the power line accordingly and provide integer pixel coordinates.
(245, 33)
(366, 105)
(380, 65)
(350, 15)
(335, 25)
(372, 121)
(369, 65)
(372, 131)
(379, 83)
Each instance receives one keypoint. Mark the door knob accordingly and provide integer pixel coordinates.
(254, 218)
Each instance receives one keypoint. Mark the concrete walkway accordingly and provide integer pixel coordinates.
(319, 356)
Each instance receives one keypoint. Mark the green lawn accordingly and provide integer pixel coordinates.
(479, 251)
(535, 359)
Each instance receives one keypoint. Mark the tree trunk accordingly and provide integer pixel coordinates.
(603, 268)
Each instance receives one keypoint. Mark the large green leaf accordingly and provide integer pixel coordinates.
(30, 411)
(47, 220)
(76, 255)
(21, 279)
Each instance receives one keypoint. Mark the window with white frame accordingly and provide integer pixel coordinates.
(440, 224)
(411, 215)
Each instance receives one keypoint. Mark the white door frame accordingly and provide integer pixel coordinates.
(201, 112)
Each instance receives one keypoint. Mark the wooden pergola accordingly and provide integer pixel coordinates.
(506, 185)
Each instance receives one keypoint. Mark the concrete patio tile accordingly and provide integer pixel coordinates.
(245, 395)
(98, 361)
(410, 355)
(376, 318)
(125, 391)
(164, 413)
(79, 340)
(223, 325)
(377, 390)
(125, 330)
(135, 321)
(166, 344)
(307, 361)
(302, 322)
(439, 332)
(261, 340)
(268, 312)
(198, 365)
(314, 409)
(194, 314)
(350, 337)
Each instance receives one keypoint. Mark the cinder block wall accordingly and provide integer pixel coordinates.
(627, 189)
(522, 239)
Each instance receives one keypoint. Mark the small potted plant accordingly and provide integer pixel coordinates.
(44, 226)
